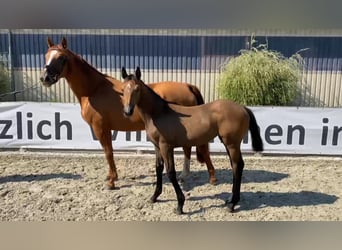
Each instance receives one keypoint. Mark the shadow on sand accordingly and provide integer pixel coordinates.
(225, 177)
(257, 200)
(254, 200)
(37, 177)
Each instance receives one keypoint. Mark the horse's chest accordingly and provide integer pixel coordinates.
(151, 131)
(160, 132)
(88, 113)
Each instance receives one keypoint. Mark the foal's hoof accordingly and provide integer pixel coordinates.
(153, 199)
(179, 211)
(230, 206)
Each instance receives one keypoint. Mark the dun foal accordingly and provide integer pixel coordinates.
(168, 126)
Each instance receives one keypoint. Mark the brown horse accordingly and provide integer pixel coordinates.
(169, 126)
(101, 106)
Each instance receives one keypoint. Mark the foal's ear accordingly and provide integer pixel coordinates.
(49, 42)
(138, 73)
(64, 42)
(124, 73)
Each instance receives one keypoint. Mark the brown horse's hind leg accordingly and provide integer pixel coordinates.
(186, 164)
(106, 142)
(237, 164)
(204, 156)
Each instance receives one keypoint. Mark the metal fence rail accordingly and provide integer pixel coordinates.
(193, 56)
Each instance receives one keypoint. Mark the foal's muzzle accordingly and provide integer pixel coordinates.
(128, 110)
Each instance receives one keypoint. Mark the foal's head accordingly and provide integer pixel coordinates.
(55, 62)
(131, 90)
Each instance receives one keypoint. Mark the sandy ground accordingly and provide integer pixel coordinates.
(40, 186)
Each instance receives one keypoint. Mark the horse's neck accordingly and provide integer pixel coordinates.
(82, 79)
(150, 104)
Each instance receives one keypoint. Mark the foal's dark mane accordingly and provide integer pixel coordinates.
(165, 104)
(134, 78)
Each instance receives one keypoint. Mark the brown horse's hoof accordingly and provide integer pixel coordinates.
(111, 186)
(213, 181)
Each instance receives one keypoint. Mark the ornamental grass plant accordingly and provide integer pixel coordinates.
(259, 76)
(4, 80)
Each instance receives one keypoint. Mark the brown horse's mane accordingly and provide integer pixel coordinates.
(92, 67)
(60, 47)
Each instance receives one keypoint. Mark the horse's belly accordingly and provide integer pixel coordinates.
(200, 137)
(179, 137)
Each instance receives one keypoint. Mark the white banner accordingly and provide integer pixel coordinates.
(286, 130)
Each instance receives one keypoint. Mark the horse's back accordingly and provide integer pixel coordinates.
(224, 116)
(175, 92)
(230, 108)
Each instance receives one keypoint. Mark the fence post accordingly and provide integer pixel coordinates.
(10, 66)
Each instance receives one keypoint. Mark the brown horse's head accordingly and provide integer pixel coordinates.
(131, 90)
(55, 62)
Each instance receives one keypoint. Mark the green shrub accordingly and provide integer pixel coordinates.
(261, 77)
(4, 80)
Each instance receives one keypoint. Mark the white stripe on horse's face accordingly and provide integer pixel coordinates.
(51, 56)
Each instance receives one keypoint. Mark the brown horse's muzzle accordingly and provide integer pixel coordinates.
(47, 78)
(53, 71)
(128, 110)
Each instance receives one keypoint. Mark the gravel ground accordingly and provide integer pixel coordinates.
(40, 186)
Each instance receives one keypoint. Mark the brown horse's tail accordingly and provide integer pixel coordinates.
(197, 94)
(200, 100)
(257, 143)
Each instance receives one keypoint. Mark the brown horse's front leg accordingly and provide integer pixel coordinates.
(106, 142)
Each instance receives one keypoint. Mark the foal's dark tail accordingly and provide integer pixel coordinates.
(257, 143)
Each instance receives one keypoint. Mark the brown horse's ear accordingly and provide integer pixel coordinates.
(49, 42)
(123, 73)
(138, 73)
(64, 42)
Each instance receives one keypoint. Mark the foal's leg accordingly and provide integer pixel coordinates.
(237, 164)
(186, 164)
(105, 138)
(204, 152)
(167, 154)
(159, 174)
